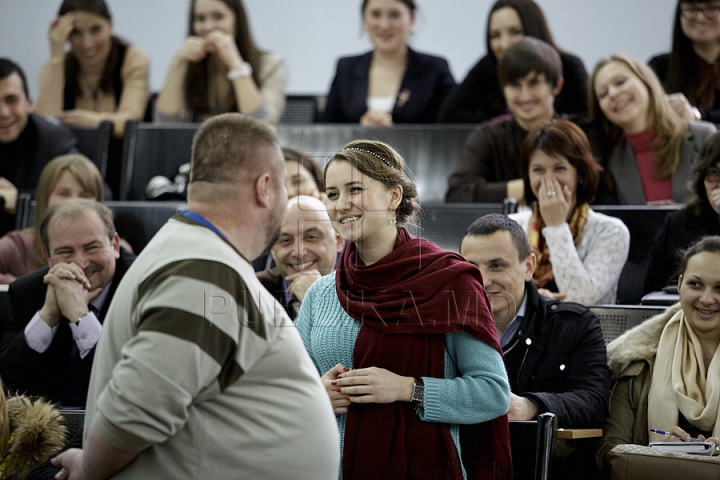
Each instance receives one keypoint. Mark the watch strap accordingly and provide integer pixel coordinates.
(418, 395)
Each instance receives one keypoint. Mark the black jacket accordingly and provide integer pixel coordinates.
(559, 361)
(27, 371)
(479, 97)
(424, 86)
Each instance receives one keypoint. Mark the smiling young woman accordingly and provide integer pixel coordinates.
(690, 71)
(403, 387)
(580, 252)
(666, 371)
(479, 97)
(647, 150)
(392, 83)
(99, 78)
(219, 69)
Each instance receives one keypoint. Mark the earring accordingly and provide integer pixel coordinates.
(393, 219)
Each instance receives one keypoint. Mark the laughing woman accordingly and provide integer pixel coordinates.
(393, 83)
(404, 375)
(647, 150)
(100, 78)
(580, 252)
(666, 371)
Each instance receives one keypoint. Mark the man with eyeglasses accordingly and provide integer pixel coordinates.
(688, 72)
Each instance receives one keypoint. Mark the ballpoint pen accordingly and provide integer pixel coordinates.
(670, 434)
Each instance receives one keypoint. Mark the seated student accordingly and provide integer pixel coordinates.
(65, 177)
(306, 250)
(647, 150)
(100, 78)
(219, 69)
(699, 217)
(304, 175)
(530, 74)
(666, 371)
(479, 97)
(27, 142)
(690, 71)
(392, 83)
(554, 351)
(55, 314)
(580, 252)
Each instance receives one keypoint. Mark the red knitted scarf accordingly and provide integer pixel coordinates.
(407, 302)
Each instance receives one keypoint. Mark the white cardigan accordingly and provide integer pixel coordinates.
(589, 274)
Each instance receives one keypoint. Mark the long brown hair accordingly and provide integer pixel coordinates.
(670, 129)
(682, 75)
(198, 73)
(72, 66)
(85, 173)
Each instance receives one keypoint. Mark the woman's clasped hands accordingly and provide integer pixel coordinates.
(365, 385)
(223, 44)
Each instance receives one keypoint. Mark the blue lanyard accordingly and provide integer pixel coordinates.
(202, 221)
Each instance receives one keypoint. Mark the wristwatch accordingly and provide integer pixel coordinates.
(418, 395)
(244, 70)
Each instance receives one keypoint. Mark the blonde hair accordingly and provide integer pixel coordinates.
(670, 129)
(83, 171)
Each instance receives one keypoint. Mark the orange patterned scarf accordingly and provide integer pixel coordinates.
(543, 275)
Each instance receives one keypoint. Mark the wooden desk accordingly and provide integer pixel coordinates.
(575, 433)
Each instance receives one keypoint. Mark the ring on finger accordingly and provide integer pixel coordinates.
(551, 193)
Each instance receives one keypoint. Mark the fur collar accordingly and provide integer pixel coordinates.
(639, 343)
(36, 432)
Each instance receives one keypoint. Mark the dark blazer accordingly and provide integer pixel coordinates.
(559, 361)
(426, 82)
(661, 64)
(40, 142)
(27, 371)
(273, 283)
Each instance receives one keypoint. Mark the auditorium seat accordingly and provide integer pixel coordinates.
(94, 143)
(616, 319)
(137, 221)
(151, 150)
(643, 222)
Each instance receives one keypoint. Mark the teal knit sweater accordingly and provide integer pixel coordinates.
(475, 388)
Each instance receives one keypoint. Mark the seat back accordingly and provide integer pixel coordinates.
(94, 143)
(431, 152)
(74, 420)
(643, 222)
(299, 110)
(532, 444)
(137, 222)
(24, 211)
(446, 223)
(151, 150)
(616, 319)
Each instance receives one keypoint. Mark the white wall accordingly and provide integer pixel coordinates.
(312, 34)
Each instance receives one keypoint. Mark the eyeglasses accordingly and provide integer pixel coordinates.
(690, 11)
(712, 174)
